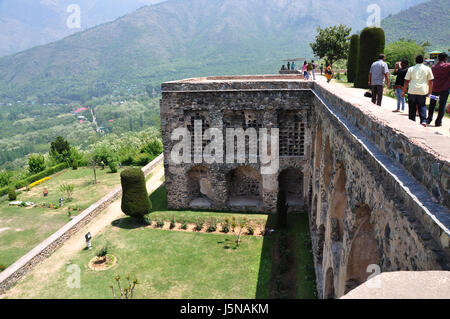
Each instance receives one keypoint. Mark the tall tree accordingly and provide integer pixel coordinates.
(332, 43)
(371, 45)
(353, 56)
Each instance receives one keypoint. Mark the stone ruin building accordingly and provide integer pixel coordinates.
(374, 196)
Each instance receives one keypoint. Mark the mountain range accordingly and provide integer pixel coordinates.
(28, 23)
(429, 21)
(178, 38)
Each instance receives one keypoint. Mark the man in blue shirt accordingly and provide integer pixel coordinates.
(379, 74)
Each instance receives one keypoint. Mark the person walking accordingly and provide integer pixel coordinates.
(305, 70)
(289, 65)
(328, 73)
(401, 68)
(441, 88)
(309, 68)
(419, 84)
(321, 69)
(293, 66)
(314, 66)
(378, 75)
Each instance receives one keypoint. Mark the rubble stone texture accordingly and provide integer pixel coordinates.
(378, 200)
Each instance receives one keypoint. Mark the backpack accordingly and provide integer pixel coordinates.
(309, 67)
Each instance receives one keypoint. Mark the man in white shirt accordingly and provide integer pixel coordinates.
(419, 78)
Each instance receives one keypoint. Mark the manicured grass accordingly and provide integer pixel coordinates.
(160, 212)
(173, 264)
(27, 227)
(168, 265)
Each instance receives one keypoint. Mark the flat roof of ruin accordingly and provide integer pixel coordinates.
(435, 140)
(241, 78)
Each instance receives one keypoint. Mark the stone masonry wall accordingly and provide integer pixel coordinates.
(378, 200)
(239, 104)
(362, 214)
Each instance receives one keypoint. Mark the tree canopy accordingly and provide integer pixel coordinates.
(403, 49)
(332, 43)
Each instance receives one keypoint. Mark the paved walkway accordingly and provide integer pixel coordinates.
(435, 138)
(75, 244)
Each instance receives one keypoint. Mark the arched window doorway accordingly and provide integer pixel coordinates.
(244, 186)
(291, 182)
(200, 189)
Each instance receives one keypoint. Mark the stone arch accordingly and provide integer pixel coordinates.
(318, 147)
(320, 243)
(200, 189)
(338, 204)
(328, 163)
(314, 213)
(244, 187)
(291, 181)
(363, 248)
(329, 292)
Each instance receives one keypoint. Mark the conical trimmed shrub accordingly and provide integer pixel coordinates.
(371, 45)
(135, 199)
(353, 57)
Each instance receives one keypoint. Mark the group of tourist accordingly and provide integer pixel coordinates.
(419, 81)
(309, 70)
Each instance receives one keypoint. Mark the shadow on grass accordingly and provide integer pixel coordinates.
(266, 262)
(271, 272)
(127, 223)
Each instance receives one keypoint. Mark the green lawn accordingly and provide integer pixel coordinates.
(173, 264)
(24, 228)
(168, 265)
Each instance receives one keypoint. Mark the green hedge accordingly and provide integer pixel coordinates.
(41, 175)
(371, 45)
(353, 56)
(4, 190)
(135, 200)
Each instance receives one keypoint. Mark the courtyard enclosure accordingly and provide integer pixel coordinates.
(377, 200)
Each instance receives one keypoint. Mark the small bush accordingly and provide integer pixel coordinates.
(2, 267)
(226, 226)
(198, 225)
(211, 228)
(4, 190)
(172, 223)
(75, 165)
(250, 230)
(67, 190)
(159, 224)
(142, 159)
(184, 225)
(12, 194)
(36, 163)
(114, 167)
(102, 252)
(148, 220)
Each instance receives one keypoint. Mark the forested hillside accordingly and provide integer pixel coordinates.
(429, 21)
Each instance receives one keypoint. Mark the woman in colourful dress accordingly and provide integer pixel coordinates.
(328, 73)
